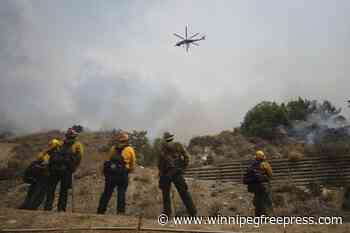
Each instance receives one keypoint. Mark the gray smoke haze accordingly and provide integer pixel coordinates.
(110, 64)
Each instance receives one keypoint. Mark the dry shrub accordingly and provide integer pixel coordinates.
(285, 188)
(210, 160)
(301, 194)
(233, 208)
(310, 150)
(315, 189)
(295, 156)
(15, 164)
(7, 173)
(234, 195)
(83, 192)
(145, 179)
(290, 200)
(147, 202)
(278, 200)
(333, 148)
(328, 195)
(215, 208)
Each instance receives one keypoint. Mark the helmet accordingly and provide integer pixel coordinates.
(259, 154)
(54, 143)
(71, 133)
(168, 136)
(122, 137)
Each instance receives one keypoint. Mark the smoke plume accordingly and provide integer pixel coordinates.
(113, 64)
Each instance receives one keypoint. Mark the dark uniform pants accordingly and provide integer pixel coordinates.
(182, 189)
(111, 182)
(346, 199)
(36, 194)
(263, 200)
(65, 180)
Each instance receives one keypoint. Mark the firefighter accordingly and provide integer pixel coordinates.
(172, 162)
(257, 179)
(121, 162)
(61, 168)
(37, 175)
(346, 198)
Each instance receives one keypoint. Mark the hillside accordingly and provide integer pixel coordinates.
(232, 145)
(143, 192)
(144, 197)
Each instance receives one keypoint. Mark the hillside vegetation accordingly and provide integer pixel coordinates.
(300, 137)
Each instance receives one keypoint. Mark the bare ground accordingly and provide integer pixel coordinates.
(20, 219)
(143, 197)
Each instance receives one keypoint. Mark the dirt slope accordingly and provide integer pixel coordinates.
(17, 219)
(6, 152)
(143, 197)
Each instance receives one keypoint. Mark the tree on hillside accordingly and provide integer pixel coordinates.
(142, 145)
(156, 150)
(326, 110)
(299, 109)
(206, 140)
(264, 118)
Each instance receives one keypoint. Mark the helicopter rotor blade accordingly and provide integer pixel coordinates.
(186, 31)
(193, 35)
(179, 36)
(195, 43)
(187, 46)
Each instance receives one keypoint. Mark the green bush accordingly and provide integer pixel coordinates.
(299, 109)
(263, 119)
(143, 147)
(207, 140)
(156, 150)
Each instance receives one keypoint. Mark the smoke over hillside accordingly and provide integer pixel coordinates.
(319, 130)
(113, 64)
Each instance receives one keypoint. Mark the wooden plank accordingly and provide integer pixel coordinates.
(305, 172)
(314, 177)
(276, 170)
(334, 170)
(294, 175)
(181, 230)
(285, 160)
(276, 167)
(154, 229)
(283, 166)
(68, 229)
(303, 161)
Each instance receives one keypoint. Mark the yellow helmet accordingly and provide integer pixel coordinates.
(259, 154)
(54, 143)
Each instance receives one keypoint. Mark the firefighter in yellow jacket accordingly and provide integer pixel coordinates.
(61, 167)
(37, 175)
(258, 178)
(121, 162)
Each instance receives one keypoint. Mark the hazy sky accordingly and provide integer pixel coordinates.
(114, 64)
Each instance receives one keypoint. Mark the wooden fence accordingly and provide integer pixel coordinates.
(334, 171)
(123, 229)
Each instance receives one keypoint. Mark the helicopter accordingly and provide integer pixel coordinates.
(188, 41)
